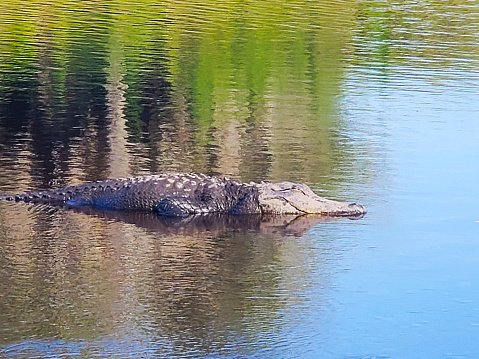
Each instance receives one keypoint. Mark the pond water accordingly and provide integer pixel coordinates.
(373, 102)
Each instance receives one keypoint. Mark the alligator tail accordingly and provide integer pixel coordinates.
(38, 197)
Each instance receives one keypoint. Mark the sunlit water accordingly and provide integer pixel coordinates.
(374, 103)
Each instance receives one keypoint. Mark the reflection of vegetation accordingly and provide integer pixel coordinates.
(221, 87)
(435, 33)
(71, 276)
(224, 76)
(245, 89)
(376, 23)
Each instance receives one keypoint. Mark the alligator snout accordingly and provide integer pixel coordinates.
(356, 210)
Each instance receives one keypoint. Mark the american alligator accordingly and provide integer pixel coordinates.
(180, 195)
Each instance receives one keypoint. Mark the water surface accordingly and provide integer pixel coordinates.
(374, 102)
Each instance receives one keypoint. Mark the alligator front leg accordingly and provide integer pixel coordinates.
(182, 206)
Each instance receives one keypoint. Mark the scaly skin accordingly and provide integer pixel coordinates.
(175, 194)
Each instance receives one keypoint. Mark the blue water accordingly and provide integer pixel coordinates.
(408, 286)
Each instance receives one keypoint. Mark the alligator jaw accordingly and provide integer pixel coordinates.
(351, 210)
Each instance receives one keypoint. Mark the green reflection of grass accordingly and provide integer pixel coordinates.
(247, 89)
(241, 71)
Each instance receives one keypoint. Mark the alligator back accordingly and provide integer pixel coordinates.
(139, 193)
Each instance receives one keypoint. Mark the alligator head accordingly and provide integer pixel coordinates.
(296, 198)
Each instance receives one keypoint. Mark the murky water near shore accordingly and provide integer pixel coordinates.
(369, 102)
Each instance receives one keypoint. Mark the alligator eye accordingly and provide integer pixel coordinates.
(299, 190)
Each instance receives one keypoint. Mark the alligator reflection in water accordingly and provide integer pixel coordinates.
(201, 274)
(215, 224)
